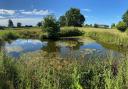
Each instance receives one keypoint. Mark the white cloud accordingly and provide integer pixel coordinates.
(24, 21)
(23, 16)
(87, 10)
(24, 12)
(7, 12)
(36, 12)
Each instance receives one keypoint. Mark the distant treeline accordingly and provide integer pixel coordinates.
(97, 26)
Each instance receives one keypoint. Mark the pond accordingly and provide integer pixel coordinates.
(64, 47)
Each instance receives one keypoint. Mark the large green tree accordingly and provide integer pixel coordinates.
(125, 17)
(51, 26)
(72, 17)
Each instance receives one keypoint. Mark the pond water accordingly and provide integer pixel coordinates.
(64, 47)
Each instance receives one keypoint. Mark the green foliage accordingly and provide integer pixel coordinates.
(2, 27)
(62, 21)
(19, 24)
(111, 37)
(101, 26)
(39, 24)
(125, 17)
(67, 32)
(72, 17)
(88, 25)
(113, 25)
(51, 26)
(10, 23)
(95, 25)
(122, 26)
(40, 72)
(10, 35)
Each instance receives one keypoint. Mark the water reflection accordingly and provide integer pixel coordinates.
(63, 47)
(20, 46)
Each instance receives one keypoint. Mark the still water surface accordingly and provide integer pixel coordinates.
(65, 48)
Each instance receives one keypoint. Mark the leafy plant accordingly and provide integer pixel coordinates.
(122, 26)
(51, 26)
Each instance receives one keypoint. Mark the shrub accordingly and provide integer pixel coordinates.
(70, 32)
(10, 35)
(19, 24)
(96, 26)
(113, 25)
(51, 26)
(122, 26)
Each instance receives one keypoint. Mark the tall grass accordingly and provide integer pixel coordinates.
(70, 31)
(40, 71)
(30, 33)
(13, 33)
(109, 36)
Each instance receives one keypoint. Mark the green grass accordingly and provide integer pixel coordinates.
(10, 33)
(35, 32)
(40, 71)
(108, 36)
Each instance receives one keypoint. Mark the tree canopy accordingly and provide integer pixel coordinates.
(51, 26)
(72, 17)
(125, 17)
(62, 21)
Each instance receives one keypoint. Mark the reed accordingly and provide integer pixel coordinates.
(41, 71)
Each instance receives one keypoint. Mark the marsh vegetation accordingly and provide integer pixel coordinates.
(64, 54)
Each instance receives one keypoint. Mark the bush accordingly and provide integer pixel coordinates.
(51, 26)
(10, 35)
(70, 32)
(122, 26)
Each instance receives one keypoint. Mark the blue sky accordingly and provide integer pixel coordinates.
(32, 11)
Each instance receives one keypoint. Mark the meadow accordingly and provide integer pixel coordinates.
(48, 71)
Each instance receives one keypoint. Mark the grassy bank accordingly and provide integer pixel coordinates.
(35, 32)
(40, 71)
(109, 36)
(13, 33)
